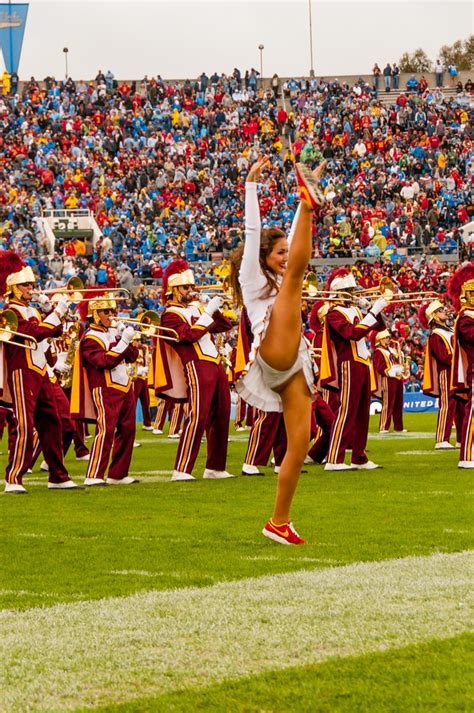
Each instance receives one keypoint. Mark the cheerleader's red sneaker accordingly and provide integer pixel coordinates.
(308, 187)
(283, 534)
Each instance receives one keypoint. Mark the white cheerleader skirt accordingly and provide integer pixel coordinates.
(257, 386)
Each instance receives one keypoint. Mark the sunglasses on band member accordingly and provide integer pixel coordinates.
(107, 311)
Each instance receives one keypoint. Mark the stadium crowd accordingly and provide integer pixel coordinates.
(162, 167)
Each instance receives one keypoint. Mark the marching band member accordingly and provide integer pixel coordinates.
(208, 396)
(345, 366)
(437, 372)
(326, 402)
(102, 391)
(177, 414)
(266, 434)
(28, 385)
(140, 381)
(279, 375)
(162, 411)
(389, 375)
(461, 292)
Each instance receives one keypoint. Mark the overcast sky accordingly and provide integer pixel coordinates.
(180, 39)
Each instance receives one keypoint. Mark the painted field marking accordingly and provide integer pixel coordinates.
(431, 452)
(112, 650)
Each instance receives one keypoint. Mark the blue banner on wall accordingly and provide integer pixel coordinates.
(416, 402)
(12, 29)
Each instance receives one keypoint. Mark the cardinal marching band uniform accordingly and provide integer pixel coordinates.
(172, 410)
(388, 387)
(140, 383)
(437, 372)
(244, 415)
(27, 385)
(326, 402)
(345, 366)
(102, 391)
(208, 396)
(461, 291)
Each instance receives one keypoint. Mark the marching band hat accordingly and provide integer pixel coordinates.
(20, 277)
(176, 274)
(432, 308)
(10, 264)
(461, 286)
(340, 279)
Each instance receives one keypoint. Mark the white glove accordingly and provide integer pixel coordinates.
(378, 306)
(127, 335)
(62, 305)
(142, 371)
(363, 302)
(61, 367)
(44, 303)
(213, 305)
(396, 370)
(119, 326)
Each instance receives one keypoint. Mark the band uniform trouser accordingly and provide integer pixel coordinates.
(467, 435)
(140, 387)
(392, 404)
(450, 409)
(267, 433)
(115, 432)
(34, 406)
(162, 413)
(208, 410)
(67, 424)
(177, 414)
(79, 437)
(324, 419)
(351, 425)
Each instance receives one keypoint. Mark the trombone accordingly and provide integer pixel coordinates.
(9, 329)
(386, 288)
(75, 287)
(149, 324)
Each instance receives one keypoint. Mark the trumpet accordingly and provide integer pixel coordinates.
(75, 287)
(149, 324)
(9, 329)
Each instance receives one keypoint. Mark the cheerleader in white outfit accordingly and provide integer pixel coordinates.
(279, 374)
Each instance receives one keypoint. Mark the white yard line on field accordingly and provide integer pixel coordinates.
(112, 650)
(431, 452)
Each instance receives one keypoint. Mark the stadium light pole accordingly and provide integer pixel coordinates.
(311, 71)
(65, 50)
(261, 48)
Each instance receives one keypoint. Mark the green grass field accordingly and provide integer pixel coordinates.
(165, 596)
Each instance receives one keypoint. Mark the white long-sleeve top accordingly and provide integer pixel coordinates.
(252, 279)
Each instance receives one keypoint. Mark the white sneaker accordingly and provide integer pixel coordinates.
(128, 480)
(458, 444)
(147, 428)
(382, 433)
(173, 435)
(338, 466)
(276, 469)
(444, 446)
(240, 428)
(308, 461)
(370, 465)
(94, 481)
(87, 457)
(65, 485)
(14, 488)
(216, 474)
(29, 471)
(157, 432)
(136, 444)
(466, 464)
(179, 475)
(44, 466)
(250, 470)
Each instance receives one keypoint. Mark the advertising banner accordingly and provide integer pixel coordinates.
(12, 29)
